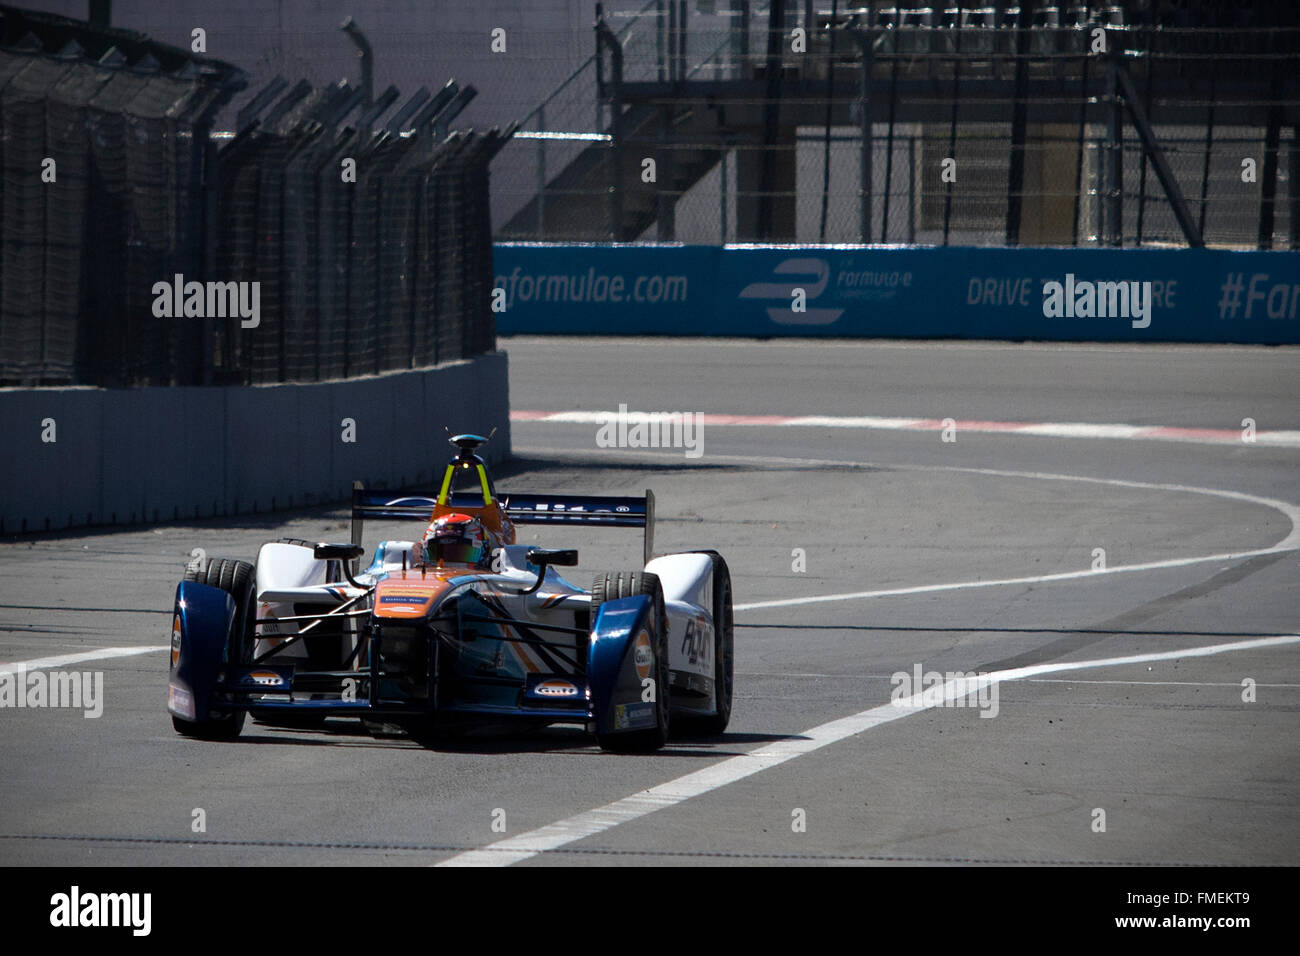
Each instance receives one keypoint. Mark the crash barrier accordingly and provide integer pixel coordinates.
(1140, 295)
(140, 249)
(91, 456)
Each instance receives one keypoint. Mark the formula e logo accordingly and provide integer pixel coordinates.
(811, 275)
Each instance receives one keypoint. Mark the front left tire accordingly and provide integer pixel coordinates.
(236, 578)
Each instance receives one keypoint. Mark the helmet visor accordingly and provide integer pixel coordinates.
(456, 551)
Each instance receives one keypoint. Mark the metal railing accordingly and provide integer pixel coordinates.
(986, 124)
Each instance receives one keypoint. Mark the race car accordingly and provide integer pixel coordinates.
(462, 628)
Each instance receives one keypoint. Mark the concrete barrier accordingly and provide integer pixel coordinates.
(1189, 295)
(89, 456)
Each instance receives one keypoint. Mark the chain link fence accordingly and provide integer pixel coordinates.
(391, 271)
(100, 161)
(138, 249)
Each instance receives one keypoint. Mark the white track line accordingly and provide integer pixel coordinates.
(1000, 582)
(1213, 436)
(1289, 543)
(1037, 680)
(1159, 683)
(592, 822)
(104, 653)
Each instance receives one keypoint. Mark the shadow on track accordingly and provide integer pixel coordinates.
(553, 740)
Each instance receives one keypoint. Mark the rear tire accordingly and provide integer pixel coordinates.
(237, 579)
(724, 667)
(622, 584)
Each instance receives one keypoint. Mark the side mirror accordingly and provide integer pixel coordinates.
(566, 557)
(341, 552)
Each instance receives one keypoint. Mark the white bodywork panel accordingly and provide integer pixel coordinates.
(687, 581)
(289, 573)
(685, 577)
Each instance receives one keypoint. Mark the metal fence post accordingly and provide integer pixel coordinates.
(1114, 232)
(211, 192)
(865, 42)
(1293, 188)
(912, 196)
(1019, 126)
(541, 174)
(664, 202)
(1268, 177)
(1209, 144)
(889, 150)
(606, 37)
(722, 191)
(952, 132)
(661, 26)
(1084, 63)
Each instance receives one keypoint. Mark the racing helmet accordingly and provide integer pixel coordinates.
(456, 539)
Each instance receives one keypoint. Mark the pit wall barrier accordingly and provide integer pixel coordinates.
(1195, 295)
(145, 455)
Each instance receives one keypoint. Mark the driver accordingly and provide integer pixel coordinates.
(456, 539)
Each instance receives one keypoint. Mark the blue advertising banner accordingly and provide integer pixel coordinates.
(1107, 295)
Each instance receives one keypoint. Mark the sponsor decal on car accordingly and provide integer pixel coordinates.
(262, 679)
(556, 688)
(643, 655)
(628, 716)
(180, 701)
(697, 644)
(403, 599)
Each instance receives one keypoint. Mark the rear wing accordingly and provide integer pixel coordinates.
(587, 509)
(611, 512)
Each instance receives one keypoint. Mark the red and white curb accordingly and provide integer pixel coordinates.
(1210, 436)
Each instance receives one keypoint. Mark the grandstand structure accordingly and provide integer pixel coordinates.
(1071, 123)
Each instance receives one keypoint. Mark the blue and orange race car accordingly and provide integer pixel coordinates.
(459, 628)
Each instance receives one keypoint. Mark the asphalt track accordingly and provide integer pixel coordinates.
(973, 555)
